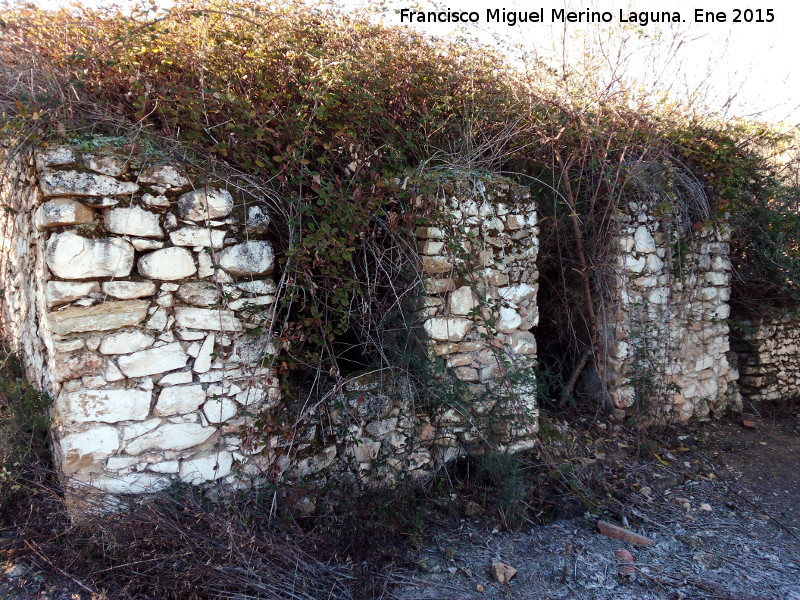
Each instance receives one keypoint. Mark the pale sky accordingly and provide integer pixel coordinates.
(754, 62)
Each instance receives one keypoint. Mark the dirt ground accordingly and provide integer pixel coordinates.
(729, 530)
(720, 501)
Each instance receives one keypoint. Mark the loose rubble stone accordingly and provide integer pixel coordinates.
(249, 258)
(168, 264)
(219, 410)
(75, 183)
(61, 212)
(101, 317)
(501, 572)
(205, 203)
(133, 221)
(71, 256)
(257, 221)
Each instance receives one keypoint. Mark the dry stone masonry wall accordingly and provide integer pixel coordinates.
(479, 263)
(128, 292)
(768, 350)
(667, 337)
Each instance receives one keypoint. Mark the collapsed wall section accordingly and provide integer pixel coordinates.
(667, 331)
(768, 351)
(479, 263)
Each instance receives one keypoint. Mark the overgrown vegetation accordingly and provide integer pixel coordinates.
(324, 115)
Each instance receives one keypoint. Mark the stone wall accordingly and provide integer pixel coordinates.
(479, 263)
(667, 330)
(768, 350)
(137, 296)
(128, 293)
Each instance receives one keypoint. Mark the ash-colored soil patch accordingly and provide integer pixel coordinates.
(727, 531)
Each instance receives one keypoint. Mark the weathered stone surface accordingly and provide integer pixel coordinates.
(199, 293)
(71, 256)
(106, 165)
(462, 301)
(87, 448)
(128, 290)
(64, 292)
(143, 245)
(62, 211)
(260, 287)
(205, 203)
(168, 264)
(447, 329)
(523, 342)
(249, 258)
(208, 319)
(55, 157)
(163, 175)
(153, 361)
(131, 483)
(125, 342)
(509, 320)
(171, 436)
(179, 400)
(214, 465)
(202, 362)
(517, 293)
(198, 236)
(107, 406)
(219, 410)
(643, 240)
(76, 364)
(133, 221)
(101, 317)
(75, 183)
(257, 221)
(176, 378)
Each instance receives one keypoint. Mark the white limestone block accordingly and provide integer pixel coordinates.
(168, 264)
(199, 293)
(106, 406)
(76, 183)
(127, 290)
(179, 400)
(211, 466)
(62, 211)
(101, 317)
(163, 175)
(133, 221)
(171, 436)
(202, 362)
(447, 329)
(462, 301)
(71, 256)
(205, 203)
(87, 448)
(219, 410)
(643, 240)
(125, 342)
(248, 258)
(64, 292)
(153, 361)
(207, 319)
(198, 237)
